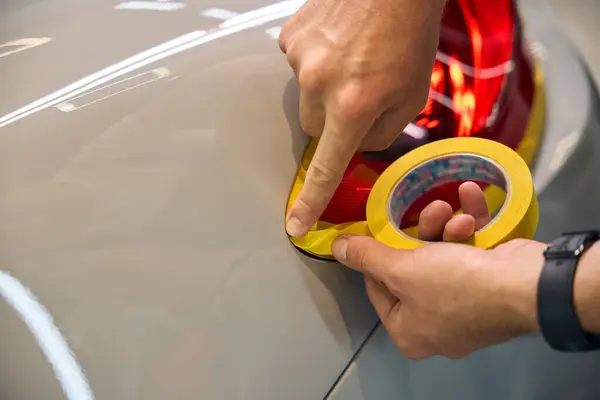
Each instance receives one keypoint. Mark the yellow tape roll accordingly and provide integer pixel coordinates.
(455, 159)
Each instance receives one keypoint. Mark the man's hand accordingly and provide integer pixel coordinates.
(364, 70)
(449, 299)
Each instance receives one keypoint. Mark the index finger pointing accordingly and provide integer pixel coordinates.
(336, 147)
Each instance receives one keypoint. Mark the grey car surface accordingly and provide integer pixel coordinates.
(147, 151)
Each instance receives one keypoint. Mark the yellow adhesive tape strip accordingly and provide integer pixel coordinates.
(318, 241)
(455, 159)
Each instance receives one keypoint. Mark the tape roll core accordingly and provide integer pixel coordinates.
(437, 172)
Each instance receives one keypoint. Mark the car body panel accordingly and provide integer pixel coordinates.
(148, 217)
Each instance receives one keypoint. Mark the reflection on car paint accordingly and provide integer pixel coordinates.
(114, 89)
(98, 78)
(53, 344)
(16, 46)
(281, 8)
(563, 150)
(538, 50)
(274, 32)
(150, 5)
(219, 13)
(180, 44)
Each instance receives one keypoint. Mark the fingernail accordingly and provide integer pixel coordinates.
(295, 228)
(339, 248)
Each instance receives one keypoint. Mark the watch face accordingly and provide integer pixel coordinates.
(567, 246)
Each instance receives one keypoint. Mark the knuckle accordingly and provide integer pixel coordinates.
(301, 205)
(402, 344)
(312, 77)
(322, 175)
(353, 102)
(283, 39)
(311, 127)
(312, 116)
(282, 43)
(410, 343)
(412, 351)
(384, 131)
(288, 34)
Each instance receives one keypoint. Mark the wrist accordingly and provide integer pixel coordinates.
(516, 279)
(587, 288)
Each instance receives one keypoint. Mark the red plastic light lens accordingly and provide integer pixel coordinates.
(349, 201)
(481, 85)
(474, 59)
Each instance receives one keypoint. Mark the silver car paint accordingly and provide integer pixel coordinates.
(147, 217)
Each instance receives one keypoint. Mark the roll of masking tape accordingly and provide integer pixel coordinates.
(451, 160)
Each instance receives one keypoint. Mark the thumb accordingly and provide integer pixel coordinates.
(369, 256)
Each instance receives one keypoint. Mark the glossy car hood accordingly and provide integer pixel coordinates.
(146, 162)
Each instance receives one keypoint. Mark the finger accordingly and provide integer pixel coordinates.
(290, 27)
(384, 131)
(334, 151)
(285, 34)
(459, 228)
(282, 40)
(312, 112)
(473, 203)
(384, 302)
(433, 219)
(369, 256)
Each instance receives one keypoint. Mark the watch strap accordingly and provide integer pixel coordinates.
(558, 319)
(556, 309)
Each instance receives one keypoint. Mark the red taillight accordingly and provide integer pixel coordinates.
(481, 85)
(349, 201)
(474, 60)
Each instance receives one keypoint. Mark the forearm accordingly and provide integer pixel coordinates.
(587, 289)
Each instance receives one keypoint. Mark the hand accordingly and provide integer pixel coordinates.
(364, 70)
(444, 298)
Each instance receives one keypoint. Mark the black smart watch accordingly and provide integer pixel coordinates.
(557, 316)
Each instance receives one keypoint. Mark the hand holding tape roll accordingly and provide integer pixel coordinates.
(425, 168)
(450, 160)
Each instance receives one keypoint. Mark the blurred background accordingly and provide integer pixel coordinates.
(580, 19)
